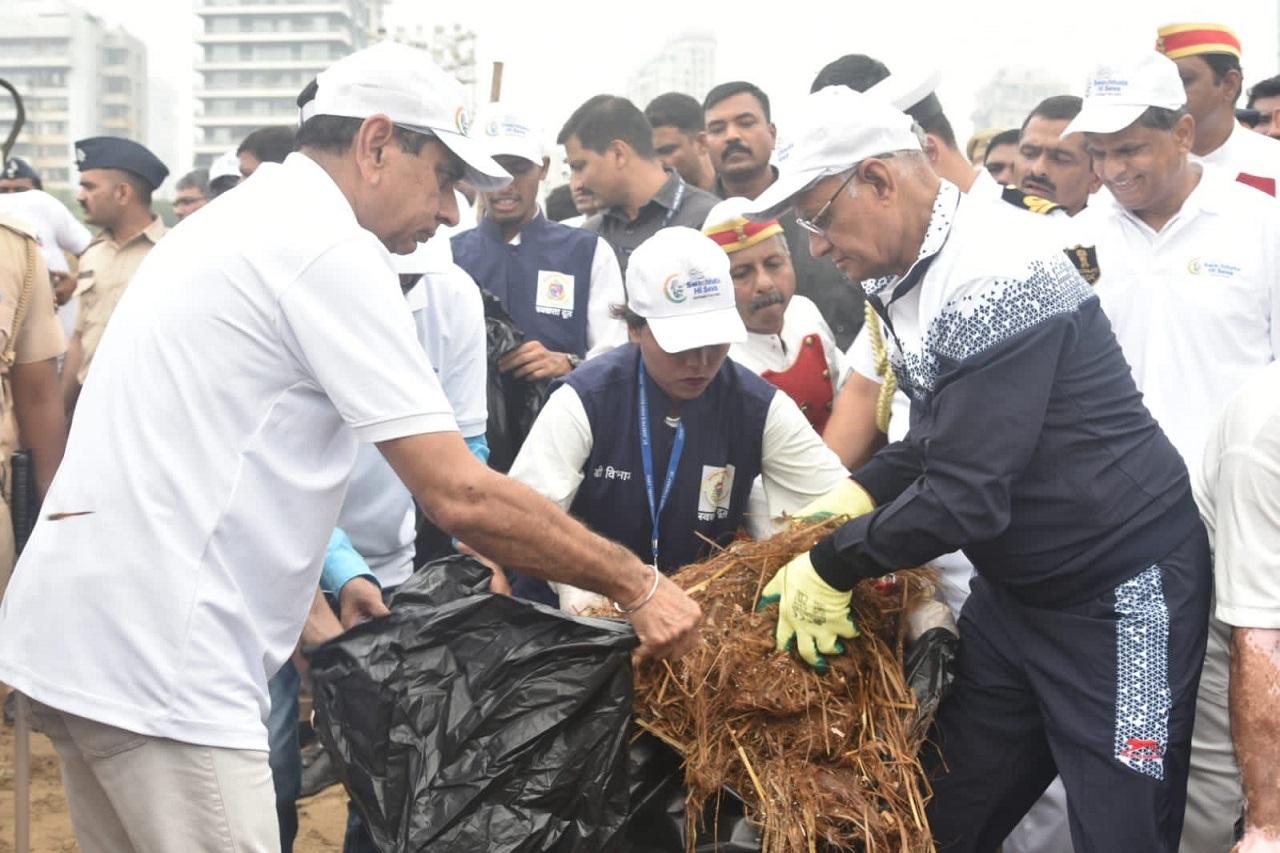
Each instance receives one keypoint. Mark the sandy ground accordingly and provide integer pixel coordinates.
(321, 819)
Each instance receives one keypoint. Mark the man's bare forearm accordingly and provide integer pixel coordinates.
(514, 525)
(517, 527)
(1255, 722)
(70, 373)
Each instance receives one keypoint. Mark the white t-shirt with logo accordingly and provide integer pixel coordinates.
(1195, 307)
(180, 544)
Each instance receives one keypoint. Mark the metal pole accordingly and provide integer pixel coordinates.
(495, 86)
(21, 777)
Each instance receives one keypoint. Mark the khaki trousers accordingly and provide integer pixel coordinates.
(131, 793)
(1214, 797)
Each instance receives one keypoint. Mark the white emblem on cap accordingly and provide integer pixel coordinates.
(463, 120)
(79, 154)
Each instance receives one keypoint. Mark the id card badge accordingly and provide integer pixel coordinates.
(554, 294)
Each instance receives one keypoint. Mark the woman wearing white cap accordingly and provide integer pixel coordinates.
(656, 443)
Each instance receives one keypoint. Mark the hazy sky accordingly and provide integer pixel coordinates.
(558, 53)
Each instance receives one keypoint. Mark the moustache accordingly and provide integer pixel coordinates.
(766, 300)
(736, 147)
(1042, 180)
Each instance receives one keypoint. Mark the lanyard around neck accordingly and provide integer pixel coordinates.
(646, 459)
(675, 204)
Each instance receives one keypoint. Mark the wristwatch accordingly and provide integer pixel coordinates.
(574, 360)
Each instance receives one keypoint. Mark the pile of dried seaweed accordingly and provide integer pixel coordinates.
(823, 761)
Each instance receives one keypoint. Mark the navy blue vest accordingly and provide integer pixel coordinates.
(544, 282)
(724, 434)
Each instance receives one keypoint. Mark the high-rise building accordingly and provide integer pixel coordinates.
(686, 63)
(257, 55)
(77, 77)
(1012, 92)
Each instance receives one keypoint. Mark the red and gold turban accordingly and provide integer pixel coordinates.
(732, 231)
(1178, 40)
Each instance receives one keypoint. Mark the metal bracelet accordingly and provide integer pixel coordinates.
(657, 578)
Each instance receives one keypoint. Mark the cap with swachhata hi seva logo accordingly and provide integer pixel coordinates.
(678, 280)
(407, 86)
(1119, 92)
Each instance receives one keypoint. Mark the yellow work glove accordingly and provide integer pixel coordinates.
(811, 613)
(848, 498)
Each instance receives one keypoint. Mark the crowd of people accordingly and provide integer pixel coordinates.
(1043, 363)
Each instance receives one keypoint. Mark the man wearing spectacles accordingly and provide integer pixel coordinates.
(1030, 450)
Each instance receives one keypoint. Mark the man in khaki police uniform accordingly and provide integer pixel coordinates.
(117, 177)
(30, 342)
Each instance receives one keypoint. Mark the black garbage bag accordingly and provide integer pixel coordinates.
(930, 667)
(513, 403)
(656, 823)
(468, 721)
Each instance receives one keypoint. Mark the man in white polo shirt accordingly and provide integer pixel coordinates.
(1189, 275)
(1239, 494)
(181, 543)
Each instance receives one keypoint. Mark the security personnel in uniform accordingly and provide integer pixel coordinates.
(788, 342)
(117, 177)
(18, 177)
(30, 342)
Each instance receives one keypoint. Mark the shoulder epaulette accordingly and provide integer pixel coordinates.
(18, 227)
(1025, 201)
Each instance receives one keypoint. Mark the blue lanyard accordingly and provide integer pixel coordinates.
(646, 459)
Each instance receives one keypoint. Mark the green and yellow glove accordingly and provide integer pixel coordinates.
(811, 613)
(848, 498)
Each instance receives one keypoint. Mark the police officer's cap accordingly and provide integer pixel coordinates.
(110, 152)
(16, 167)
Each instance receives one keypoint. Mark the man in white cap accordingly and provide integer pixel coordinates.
(182, 539)
(1189, 275)
(657, 443)
(556, 282)
(1029, 448)
(788, 342)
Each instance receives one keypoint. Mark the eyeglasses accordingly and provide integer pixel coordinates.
(818, 224)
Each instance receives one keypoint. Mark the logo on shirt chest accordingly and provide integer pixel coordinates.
(1217, 269)
(554, 294)
(1085, 259)
(716, 492)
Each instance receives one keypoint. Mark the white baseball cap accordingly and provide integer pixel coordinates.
(404, 84)
(503, 129)
(226, 165)
(837, 128)
(1119, 92)
(678, 280)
